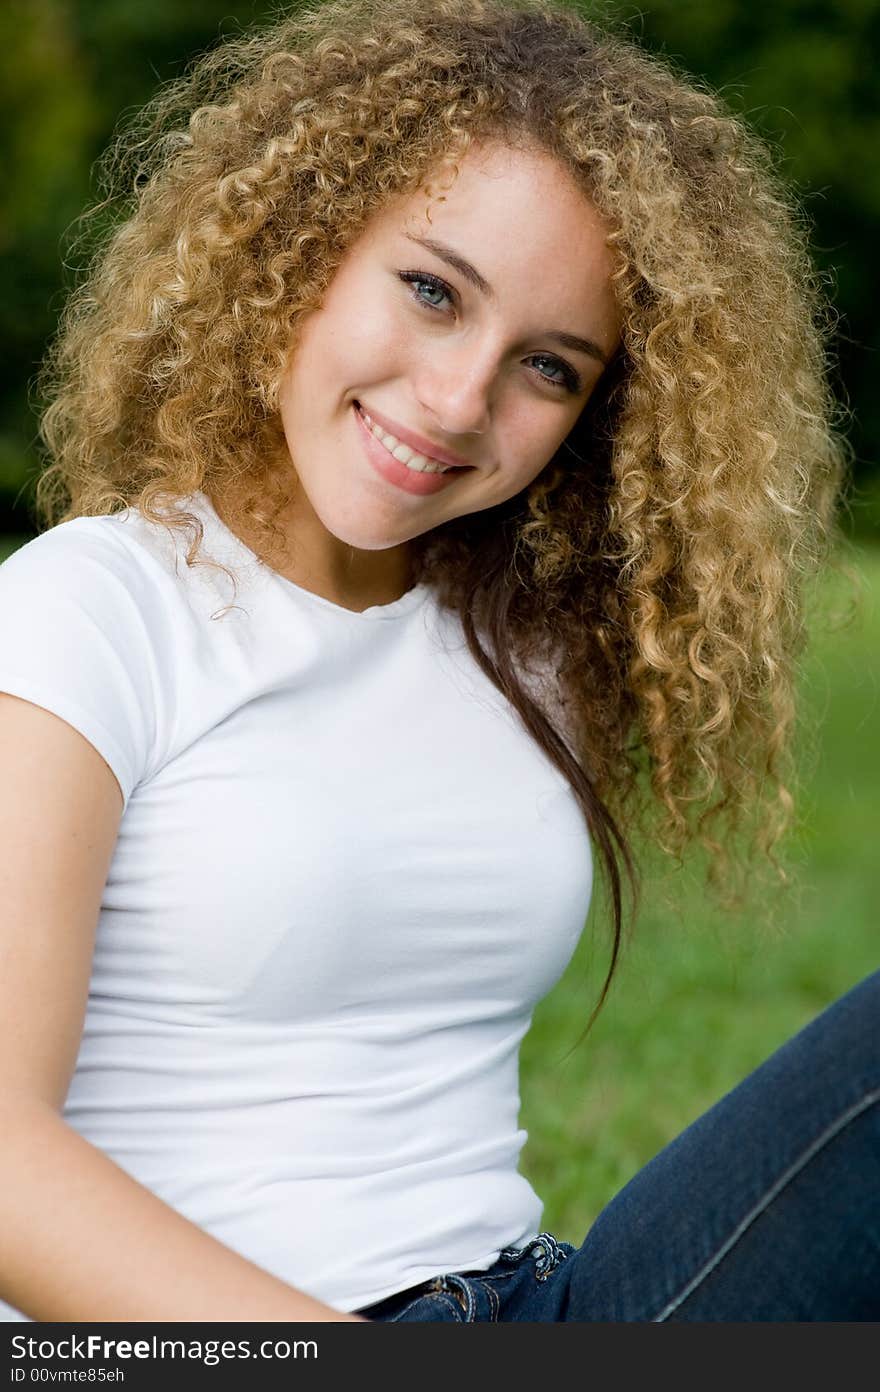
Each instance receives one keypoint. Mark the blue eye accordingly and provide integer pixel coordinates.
(567, 376)
(436, 295)
(419, 278)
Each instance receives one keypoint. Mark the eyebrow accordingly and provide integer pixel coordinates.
(479, 282)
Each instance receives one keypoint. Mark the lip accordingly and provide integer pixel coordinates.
(415, 442)
(391, 469)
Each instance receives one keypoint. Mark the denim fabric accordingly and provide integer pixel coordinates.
(766, 1208)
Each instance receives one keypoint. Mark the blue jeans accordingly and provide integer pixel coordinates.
(766, 1208)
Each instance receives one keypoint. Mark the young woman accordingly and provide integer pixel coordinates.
(439, 441)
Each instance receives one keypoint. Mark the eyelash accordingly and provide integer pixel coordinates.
(570, 382)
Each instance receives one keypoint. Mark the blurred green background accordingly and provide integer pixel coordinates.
(801, 71)
(699, 998)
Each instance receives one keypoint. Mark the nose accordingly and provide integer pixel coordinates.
(454, 391)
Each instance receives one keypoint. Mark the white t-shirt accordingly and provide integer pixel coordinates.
(344, 877)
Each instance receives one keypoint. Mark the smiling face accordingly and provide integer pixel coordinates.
(466, 329)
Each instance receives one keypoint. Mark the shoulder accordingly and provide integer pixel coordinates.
(104, 623)
(79, 566)
(80, 548)
(100, 561)
(82, 635)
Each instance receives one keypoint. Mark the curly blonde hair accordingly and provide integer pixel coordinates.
(658, 562)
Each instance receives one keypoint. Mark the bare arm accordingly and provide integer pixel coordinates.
(79, 1238)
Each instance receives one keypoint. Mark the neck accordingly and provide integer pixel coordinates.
(355, 579)
(317, 561)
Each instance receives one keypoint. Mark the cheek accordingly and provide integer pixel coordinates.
(532, 443)
(359, 332)
(335, 348)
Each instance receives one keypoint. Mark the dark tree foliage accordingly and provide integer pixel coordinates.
(800, 71)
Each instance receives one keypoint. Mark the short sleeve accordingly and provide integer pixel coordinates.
(78, 636)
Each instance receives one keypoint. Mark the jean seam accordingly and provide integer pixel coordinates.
(494, 1302)
(448, 1300)
(497, 1276)
(775, 1189)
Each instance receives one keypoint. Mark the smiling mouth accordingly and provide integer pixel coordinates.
(405, 454)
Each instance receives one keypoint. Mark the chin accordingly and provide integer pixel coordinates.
(363, 537)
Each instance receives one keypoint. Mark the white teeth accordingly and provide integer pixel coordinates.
(418, 462)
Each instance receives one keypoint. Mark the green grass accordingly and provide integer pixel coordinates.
(701, 998)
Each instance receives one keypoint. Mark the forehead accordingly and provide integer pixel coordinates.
(516, 214)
